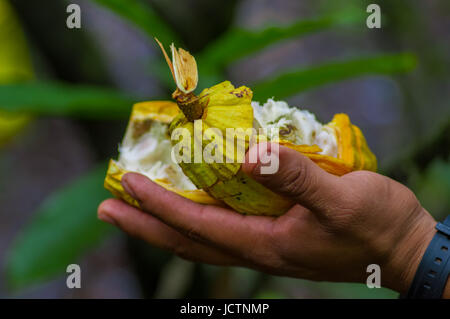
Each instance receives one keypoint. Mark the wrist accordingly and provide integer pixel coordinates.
(408, 252)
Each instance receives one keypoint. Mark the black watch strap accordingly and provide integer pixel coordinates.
(433, 272)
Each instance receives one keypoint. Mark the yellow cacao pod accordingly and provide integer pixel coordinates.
(146, 149)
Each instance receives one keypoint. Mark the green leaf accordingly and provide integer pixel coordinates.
(143, 17)
(64, 227)
(294, 82)
(56, 99)
(237, 43)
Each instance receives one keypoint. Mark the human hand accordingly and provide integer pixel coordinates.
(338, 227)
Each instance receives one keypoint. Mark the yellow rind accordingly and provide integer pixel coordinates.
(113, 184)
(160, 111)
(247, 196)
(226, 107)
(353, 151)
(330, 164)
(352, 146)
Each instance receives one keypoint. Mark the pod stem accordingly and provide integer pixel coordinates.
(189, 104)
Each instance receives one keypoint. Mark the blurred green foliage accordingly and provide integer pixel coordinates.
(65, 225)
(15, 65)
(238, 43)
(63, 228)
(293, 82)
(432, 188)
(14, 55)
(59, 99)
(143, 16)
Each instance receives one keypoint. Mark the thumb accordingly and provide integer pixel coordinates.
(296, 177)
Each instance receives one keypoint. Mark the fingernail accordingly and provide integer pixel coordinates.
(258, 157)
(128, 188)
(251, 161)
(107, 219)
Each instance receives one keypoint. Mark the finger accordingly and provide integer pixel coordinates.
(156, 233)
(296, 177)
(240, 235)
